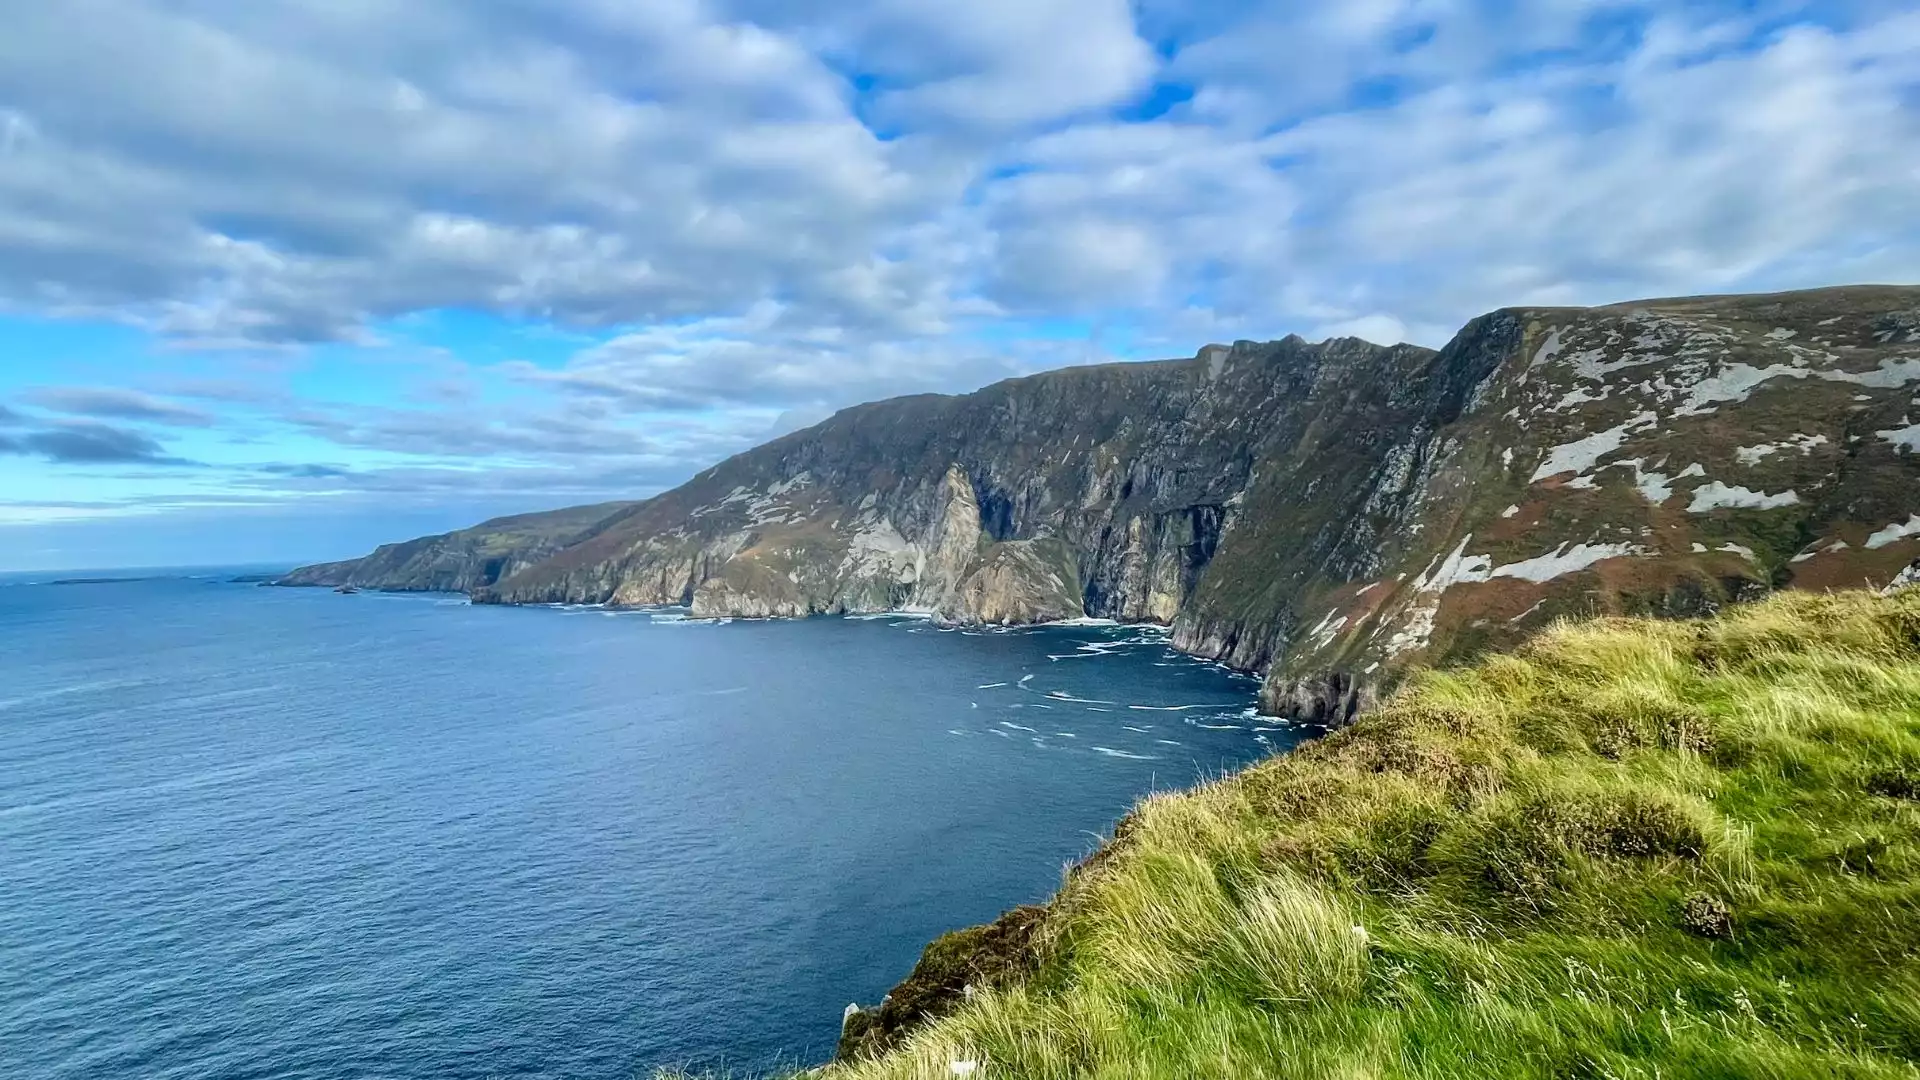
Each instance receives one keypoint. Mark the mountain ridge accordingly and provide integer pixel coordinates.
(1331, 514)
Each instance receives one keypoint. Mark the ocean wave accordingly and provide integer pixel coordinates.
(88, 687)
(1111, 752)
(1062, 695)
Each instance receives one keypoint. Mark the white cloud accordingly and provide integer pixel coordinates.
(764, 211)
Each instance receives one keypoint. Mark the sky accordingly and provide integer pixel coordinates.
(280, 282)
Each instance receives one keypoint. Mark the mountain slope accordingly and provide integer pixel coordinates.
(464, 560)
(1331, 513)
(1632, 848)
(1659, 457)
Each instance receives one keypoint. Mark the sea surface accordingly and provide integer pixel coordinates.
(258, 832)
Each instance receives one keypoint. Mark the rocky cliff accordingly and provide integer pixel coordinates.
(1329, 513)
(465, 560)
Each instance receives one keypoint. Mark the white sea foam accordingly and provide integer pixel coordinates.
(1062, 695)
(990, 686)
(1141, 730)
(1111, 752)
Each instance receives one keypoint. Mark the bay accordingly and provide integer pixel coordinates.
(251, 832)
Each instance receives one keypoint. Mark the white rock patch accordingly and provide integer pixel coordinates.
(1754, 455)
(1456, 568)
(1715, 495)
(1654, 487)
(1899, 530)
(1734, 383)
(1549, 349)
(1582, 454)
(1565, 559)
(1579, 395)
(1906, 437)
(1323, 634)
(1889, 375)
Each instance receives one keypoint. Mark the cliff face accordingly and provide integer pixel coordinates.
(1093, 491)
(465, 560)
(1330, 513)
(1663, 457)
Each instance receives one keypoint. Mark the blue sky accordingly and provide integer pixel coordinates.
(279, 282)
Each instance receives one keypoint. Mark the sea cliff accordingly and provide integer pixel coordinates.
(1331, 514)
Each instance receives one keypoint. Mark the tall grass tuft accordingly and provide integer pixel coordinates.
(1627, 849)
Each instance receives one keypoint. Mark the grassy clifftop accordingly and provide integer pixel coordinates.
(1628, 849)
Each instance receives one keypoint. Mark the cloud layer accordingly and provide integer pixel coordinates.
(730, 217)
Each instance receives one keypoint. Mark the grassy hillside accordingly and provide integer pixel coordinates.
(1629, 849)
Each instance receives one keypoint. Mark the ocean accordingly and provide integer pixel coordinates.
(257, 832)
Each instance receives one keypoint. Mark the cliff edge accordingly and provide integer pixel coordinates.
(1331, 514)
(1630, 847)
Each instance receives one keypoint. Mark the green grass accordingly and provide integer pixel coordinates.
(1629, 849)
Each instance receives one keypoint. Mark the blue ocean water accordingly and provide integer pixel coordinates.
(251, 832)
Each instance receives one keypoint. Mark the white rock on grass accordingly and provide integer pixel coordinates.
(1582, 454)
(1565, 559)
(1899, 530)
(1715, 495)
(1906, 437)
(1754, 455)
